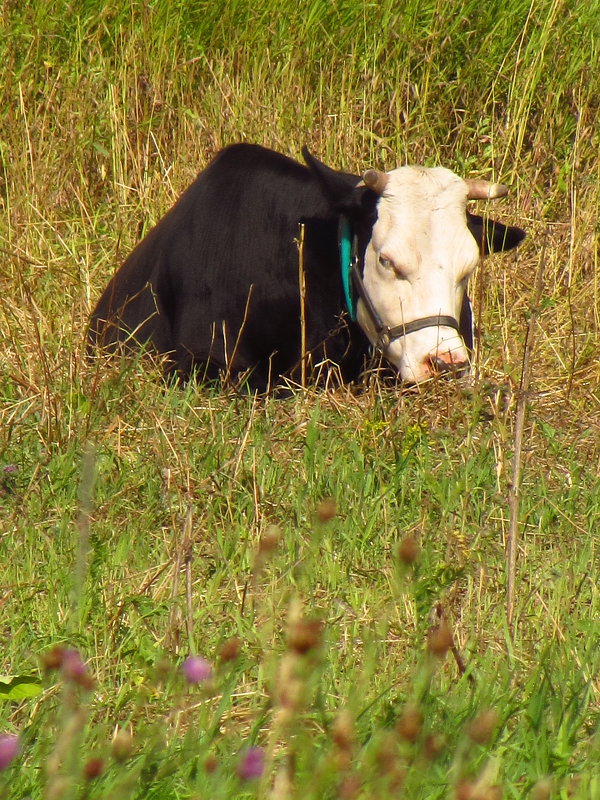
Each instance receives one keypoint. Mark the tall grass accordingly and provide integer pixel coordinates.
(140, 523)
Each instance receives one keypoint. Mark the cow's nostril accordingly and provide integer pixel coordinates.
(454, 369)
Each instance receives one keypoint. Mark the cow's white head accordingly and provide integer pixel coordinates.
(419, 246)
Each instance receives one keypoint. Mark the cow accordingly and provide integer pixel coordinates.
(270, 271)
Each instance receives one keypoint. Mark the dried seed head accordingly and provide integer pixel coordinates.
(326, 510)
(410, 724)
(542, 790)
(573, 786)
(122, 746)
(93, 768)
(230, 649)
(305, 635)
(342, 730)
(481, 728)
(439, 639)
(290, 690)
(433, 745)
(210, 763)
(465, 790)
(408, 550)
(342, 760)
(291, 698)
(269, 541)
(490, 793)
(350, 788)
(52, 659)
(396, 779)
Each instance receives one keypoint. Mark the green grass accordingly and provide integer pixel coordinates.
(131, 528)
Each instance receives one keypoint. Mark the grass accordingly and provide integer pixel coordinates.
(144, 523)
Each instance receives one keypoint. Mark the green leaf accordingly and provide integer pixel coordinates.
(19, 687)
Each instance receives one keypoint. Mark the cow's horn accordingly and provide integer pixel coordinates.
(375, 180)
(484, 190)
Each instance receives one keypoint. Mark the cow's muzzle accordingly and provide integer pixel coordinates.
(450, 369)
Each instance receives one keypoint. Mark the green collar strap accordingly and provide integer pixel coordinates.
(347, 254)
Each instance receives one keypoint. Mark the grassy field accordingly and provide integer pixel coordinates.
(336, 559)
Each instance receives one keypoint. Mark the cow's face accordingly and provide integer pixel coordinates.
(416, 265)
(421, 245)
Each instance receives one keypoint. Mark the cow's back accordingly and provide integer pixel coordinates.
(215, 282)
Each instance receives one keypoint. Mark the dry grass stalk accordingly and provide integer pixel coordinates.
(302, 287)
(520, 412)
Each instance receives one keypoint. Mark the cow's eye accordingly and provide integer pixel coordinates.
(386, 263)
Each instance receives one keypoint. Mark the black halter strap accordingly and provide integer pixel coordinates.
(385, 334)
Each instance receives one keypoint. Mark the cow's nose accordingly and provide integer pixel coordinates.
(453, 369)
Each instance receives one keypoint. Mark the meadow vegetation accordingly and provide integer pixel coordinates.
(334, 562)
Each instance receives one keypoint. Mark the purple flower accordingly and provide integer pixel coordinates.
(72, 664)
(251, 764)
(10, 469)
(196, 669)
(9, 747)
(74, 669)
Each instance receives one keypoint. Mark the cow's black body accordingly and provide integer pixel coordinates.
(215, 285)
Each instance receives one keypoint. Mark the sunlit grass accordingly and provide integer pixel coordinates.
(132, 513)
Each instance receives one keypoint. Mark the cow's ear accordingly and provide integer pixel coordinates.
(493, 237)
(340, 188)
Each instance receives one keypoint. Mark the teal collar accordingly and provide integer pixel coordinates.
(347, 254)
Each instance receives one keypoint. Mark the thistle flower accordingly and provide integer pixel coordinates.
(304, 635)
(72, 664)
(439, 639)
(9, 748)
(326, 510)
(230, 649)
(410, 723)
(408, 550)
(196, 669)
(251, 764)
(269, 541)
(74, 669)
(52, 659)
(210, 763)
(93, 768)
